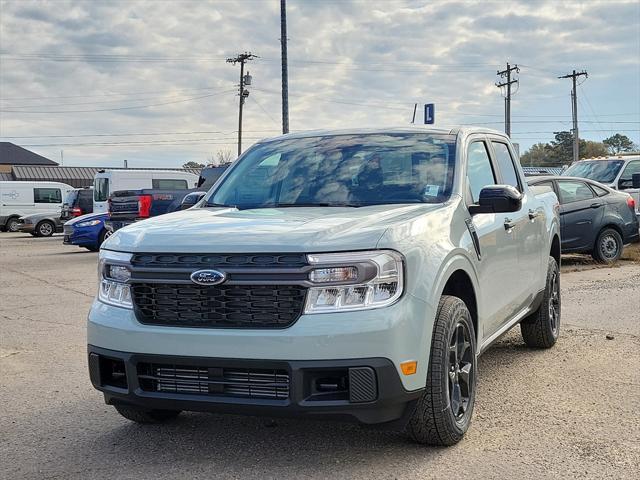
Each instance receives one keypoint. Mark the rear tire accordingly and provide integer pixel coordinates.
(542, 328)
(608, 247)
(45, 228)
(443, 413)
(143, 415)
(12, 225)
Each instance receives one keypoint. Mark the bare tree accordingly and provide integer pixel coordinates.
(221, 157)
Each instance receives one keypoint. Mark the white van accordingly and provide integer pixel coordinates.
(106, 182)
(18, 199)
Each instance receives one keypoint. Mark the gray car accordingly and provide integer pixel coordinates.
(594, 218)
(40, 224)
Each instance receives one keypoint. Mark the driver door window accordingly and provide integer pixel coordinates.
(626, 178)
(479, 169)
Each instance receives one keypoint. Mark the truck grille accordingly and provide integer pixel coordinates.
(220, 306)
(231, 382)
(168, 260)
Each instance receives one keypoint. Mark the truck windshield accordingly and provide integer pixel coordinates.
(341, 170)
(603, 171)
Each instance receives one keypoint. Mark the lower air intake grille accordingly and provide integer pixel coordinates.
(228, 382)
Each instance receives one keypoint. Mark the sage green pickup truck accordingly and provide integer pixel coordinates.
(352, 275)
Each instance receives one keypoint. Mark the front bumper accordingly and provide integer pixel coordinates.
(26, 227)
(367, 390)
(400, 333)
(82, 236)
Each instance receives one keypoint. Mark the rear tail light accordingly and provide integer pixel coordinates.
(76, 211)
(632, 203)
(144, 206)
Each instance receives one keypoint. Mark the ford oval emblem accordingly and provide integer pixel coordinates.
(208, 277)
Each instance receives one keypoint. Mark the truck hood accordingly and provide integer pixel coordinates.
(297, 229)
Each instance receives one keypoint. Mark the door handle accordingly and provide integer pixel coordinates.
(595, 205)
(533, 215)
(509, 224)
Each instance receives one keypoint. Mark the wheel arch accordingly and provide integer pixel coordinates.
(459, 279)
(613, 226)
(555, 248)
(459, 285)
(9, 218)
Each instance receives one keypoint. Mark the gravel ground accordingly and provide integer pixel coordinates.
(568, 412)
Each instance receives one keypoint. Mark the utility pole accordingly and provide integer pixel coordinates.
(507, 99)
(285, 68)
(574, 110)
(242, 58)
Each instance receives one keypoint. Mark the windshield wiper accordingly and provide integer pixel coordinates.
(220, 205)
(318, 204)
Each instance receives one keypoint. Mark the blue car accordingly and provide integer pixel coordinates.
(86, 231)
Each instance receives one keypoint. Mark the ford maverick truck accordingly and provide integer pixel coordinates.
(353, 275)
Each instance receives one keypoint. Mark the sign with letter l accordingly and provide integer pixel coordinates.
(429, 113)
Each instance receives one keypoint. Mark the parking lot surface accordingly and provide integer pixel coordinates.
(568, 412)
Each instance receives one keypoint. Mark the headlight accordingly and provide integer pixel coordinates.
(90, 223)
(354, 281)
(113, 278)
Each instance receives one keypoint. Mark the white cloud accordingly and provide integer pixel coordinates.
(358, 63)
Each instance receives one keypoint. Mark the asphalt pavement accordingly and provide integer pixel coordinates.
(567, 412)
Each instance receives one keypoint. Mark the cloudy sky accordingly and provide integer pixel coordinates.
(147, 81)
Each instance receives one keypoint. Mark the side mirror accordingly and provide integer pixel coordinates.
(191, 199)
(635, 180)
(497, 199)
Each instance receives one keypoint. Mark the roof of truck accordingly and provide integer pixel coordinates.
(462, 129)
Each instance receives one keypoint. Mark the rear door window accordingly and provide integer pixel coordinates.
(168, 184)
(601, 192)
(573, 191)
(47, 195)
(505, 164)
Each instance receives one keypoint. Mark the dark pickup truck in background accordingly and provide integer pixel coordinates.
(129, 206)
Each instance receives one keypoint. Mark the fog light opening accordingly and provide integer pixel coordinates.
(113, 373)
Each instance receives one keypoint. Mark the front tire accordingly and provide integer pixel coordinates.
(143, 415)
(45, 228)
(104, 234)
(542, 328)
(443, 413)
(608, 247)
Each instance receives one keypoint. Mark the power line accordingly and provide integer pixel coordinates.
(117, 108)
(107, 94)
(265, 111)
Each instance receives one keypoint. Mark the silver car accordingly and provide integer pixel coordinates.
(40, 224)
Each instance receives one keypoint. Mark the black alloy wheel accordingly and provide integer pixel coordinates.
(460, 371)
